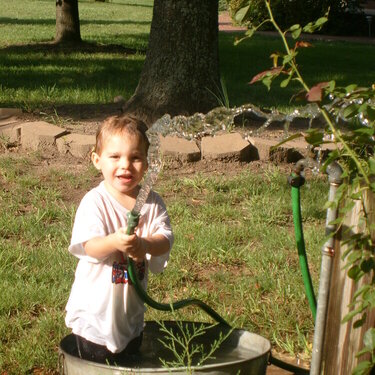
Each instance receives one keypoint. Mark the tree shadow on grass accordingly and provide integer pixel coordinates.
(47, 73)
(76, 47)
(52, 21)
(136, 5)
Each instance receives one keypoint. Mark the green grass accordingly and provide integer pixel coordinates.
(38, 76)
(234, 244)
(32, 80)
(234, 249)
(35, 268)
(343, 62)
(117, 22)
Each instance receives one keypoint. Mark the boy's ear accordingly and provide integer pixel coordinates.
(95, 158)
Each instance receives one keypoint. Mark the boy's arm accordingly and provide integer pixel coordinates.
(133, 246)
(156, 245)
(101, 247)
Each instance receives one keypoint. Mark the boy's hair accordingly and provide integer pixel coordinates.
(118, 125)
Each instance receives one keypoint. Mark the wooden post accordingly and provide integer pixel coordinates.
(341, 341)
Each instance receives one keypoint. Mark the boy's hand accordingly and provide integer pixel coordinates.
(132, 245)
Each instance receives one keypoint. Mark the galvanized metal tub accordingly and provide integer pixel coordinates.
(242, 352)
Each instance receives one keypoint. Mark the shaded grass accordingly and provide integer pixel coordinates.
(109, 64)
(36, 76)
(120, 22)
(234, 250)
(32, 80)
(343, 62)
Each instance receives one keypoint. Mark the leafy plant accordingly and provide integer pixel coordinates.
(349, 114)
(289, 12)
(183, 344)
(369, 343)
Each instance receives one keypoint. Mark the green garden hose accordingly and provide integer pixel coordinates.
(133, 219)
(296, 181)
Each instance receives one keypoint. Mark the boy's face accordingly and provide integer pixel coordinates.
(123, 163)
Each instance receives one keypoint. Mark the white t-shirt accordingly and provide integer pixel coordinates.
(102, 312)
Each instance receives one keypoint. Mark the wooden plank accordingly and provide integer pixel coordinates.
(342, 341)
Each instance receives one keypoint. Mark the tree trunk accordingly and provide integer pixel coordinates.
(181, 71)
(67, 21)
(342, 342)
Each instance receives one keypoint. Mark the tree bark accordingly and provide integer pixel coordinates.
(67, 21)
(181, 70)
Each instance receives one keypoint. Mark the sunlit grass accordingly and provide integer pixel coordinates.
(120, 22)
(35, 79)
(234, 249)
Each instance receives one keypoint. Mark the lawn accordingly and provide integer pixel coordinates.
(234, 250)
(233, 225)
(34, 76)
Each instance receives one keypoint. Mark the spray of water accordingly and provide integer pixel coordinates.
(219, 119)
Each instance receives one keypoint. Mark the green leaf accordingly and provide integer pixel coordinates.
(336, 221)
(365, 131)
(267, 81)
(369, 296)
(241, 14)
(294, 27)
(285, 82)
(350, 110)
(296, 33)
(354, 272)
(363, 289)
(371, 164)
(362, 368)
(332, 85)
(249, 33)
(312, 26)
(361, 352)
(348, 206)
(367, 265)
(321, 21)
(350, 88)
(309, 28)
(363, 108)
(354, 256)
(370, 113)
(349, 316)
(369, 339)
(315, 137)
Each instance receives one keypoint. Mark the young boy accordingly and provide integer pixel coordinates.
(104, 311)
